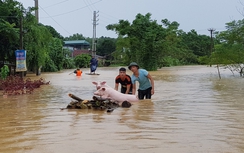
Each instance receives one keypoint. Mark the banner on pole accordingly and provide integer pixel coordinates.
(20, 60)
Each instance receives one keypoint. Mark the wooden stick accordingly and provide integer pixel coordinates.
(75, 97)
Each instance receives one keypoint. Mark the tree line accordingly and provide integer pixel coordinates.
(151, 44)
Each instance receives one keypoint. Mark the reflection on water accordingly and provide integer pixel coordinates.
(191, 111)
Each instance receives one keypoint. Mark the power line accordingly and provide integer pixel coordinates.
(87, 5)
(75, 9)
(54, 20)
(110, 15)
(92, 6)
(56, 4)
(110, 19)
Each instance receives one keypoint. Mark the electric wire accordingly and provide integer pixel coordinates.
(75, 9)
(92, 6)
(54, 20)
(88, 6)
(56, 4)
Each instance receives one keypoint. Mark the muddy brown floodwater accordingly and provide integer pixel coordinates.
(192, 111)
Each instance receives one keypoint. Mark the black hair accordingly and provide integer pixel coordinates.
(122, 69)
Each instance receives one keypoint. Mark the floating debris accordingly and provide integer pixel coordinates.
(96, 103)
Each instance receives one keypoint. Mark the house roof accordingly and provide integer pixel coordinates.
(76, 42)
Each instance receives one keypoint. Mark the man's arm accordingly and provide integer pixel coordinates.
(134, 89)
(116, 86)
(152, 82)
(127, 88)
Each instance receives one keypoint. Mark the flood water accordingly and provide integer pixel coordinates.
(192, 111)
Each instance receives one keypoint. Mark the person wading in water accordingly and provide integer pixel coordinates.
(125, 81)
(146, 82)
(78, 72)
(93, 65)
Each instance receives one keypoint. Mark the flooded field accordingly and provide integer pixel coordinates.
(192, 111)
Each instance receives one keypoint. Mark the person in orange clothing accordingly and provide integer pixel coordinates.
(78, 72)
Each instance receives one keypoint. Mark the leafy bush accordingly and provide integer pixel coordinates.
(169, 61)
(204, 60)
(4, 72)
(69, 63)
(49, 66)
(82, 60)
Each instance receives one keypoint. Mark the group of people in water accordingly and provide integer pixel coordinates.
(128, 83)
(93, 67)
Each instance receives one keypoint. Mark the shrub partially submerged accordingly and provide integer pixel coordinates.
(15, 85)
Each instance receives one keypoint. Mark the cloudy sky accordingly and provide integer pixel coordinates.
(75, 16)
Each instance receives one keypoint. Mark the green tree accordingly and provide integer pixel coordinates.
(196, 48)
(4, 72)
(231, 50)
(54, 33)
(82, 60)
(198, 44)
(8, 37)
(122, 53)
(43, 43)
(55, 57)
(106, 46)
(68, 62)
(56, 53)
(145, 40)
(75, 37)
(10, 12)
(37, 41)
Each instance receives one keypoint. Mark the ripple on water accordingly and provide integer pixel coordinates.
(191, 111)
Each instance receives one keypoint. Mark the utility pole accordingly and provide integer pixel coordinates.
(21, 46)
(211, 49)
(36, 11)
(211, 42)
(94, 41)
(211, 37)
(38, 69)
(21, 39)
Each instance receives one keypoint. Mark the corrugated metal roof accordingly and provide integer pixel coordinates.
(76, 42)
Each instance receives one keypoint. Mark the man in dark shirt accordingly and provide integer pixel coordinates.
(93, 64)
(124, 80)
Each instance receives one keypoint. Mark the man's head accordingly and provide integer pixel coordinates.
(133, 66)
(122, 71)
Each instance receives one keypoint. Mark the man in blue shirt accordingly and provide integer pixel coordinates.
(146, 82)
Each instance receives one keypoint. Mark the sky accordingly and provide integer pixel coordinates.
(69, 17)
